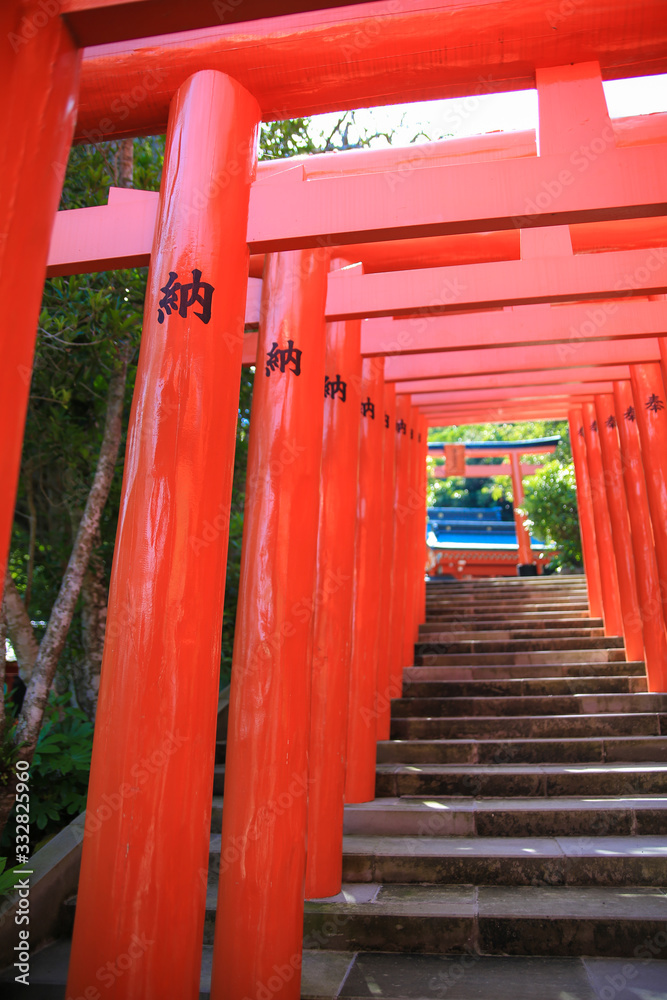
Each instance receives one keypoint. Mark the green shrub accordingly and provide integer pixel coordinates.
(59, 772)
(551, 506)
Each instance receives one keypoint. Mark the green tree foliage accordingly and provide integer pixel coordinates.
(551, 505)
(486, 492)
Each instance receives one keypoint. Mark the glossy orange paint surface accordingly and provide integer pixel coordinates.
(149, 799)
(566, 325)
(410, 514)
(611, 599)
(620, 524)
(522, 535)
(39, 79)
(499, 284)
(259, 921)
(332, 637)
(648, 390)
(649, 591)
(387, 687)
(585, 512)
(369, 54)
(507, 360)
(362, 722)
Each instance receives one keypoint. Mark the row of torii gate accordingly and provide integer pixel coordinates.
(456, 282)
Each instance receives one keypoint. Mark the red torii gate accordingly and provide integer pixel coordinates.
(211, 90)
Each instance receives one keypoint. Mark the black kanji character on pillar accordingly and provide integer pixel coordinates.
(278, 359)
(176, 294)
(412, 434)
(654, 403)
(629, 413)
(581, 432)
(196, 292)
(368, 408)
(335, 388)
(610, 422)
(386, 420)
(419, 438)
(401, 426)
(594, 426)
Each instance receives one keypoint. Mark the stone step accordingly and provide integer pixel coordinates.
(506, 780)
(565, 604)
(509, 671)
(535, 727)
(479, 646)
(519, 686)
(520, 625)
(508, 861)
(622, 816)
(519, 619)
(586, 749)
(524, 657)
(470, 976)
(532, 705)
(464, 634)
(494, 920)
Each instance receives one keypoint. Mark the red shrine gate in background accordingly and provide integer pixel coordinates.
(503, 277)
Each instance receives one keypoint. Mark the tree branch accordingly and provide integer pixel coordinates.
(51, 646)
(19, 629)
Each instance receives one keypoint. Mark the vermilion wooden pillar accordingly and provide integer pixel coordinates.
(611, 601)
(149, 798)
(646, 566)
(332, 640)
(620, 525)
(422, 539)
(586, 516)
(400, 557)
(650, 410)
(419, 531)
(522, 535)
(362, 722)
(259, 924)
(39, 80)
(410, 514)
(387, 687)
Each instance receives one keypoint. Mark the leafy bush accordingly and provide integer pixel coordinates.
(551, 506)
(59, 772)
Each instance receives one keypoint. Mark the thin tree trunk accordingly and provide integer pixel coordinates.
(51, 646)
(19, 629)
(93, 624)
(32, 517)
(125, 163)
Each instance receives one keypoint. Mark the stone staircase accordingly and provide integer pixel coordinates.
(517, 845)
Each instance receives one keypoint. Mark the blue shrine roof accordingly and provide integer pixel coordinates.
(471, 528)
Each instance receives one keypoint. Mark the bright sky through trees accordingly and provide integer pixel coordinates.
(486, 112)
